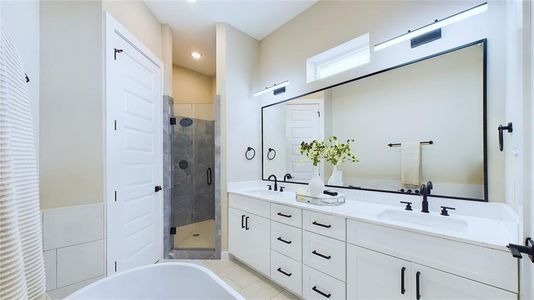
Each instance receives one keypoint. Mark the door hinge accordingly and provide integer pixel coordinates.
(115, 196)
(115, 53)
(115, 266)
(115, 125)
(319, 114)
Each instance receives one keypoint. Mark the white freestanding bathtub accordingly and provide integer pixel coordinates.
(171, 280)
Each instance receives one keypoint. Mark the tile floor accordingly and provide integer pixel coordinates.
(250, 284)
(200, 235)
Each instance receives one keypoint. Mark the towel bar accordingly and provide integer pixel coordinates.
(422, 143)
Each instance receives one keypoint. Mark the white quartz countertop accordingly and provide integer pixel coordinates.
(491, 225)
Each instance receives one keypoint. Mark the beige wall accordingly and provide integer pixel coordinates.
(139, 21)
(283, 55)
(166, 57)
(237, 65)
(71, 112)
(193, 94)
(71, 156)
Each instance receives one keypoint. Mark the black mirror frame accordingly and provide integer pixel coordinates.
(484, 43)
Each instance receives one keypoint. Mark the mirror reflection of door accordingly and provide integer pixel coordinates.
(303, 123)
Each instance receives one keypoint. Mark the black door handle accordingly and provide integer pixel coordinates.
(283, 215)
(284, 241)
(242, 221)
(157, 188)
(282, 271)
(208, 176)
(321, 255)
(315, 289)
(246, 223)
(417, 286)
(403, 290)
(322, 225)
(509, 128)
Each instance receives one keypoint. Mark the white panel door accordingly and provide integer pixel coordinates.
(435, 285)
(373, 275)
(134, 157)
(302, 124)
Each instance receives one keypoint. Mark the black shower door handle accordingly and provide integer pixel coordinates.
(209, 179)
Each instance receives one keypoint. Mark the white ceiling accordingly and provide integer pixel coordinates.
(193, 24)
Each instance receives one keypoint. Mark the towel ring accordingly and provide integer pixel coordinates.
(250, 149)
(269, 155)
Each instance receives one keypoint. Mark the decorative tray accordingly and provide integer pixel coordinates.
(324, 200)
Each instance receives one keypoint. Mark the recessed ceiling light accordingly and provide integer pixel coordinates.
(191, 1)
(196, 55)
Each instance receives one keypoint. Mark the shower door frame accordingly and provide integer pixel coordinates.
(170, 252)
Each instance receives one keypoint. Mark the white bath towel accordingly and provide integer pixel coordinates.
(411, 164)
(21, 250)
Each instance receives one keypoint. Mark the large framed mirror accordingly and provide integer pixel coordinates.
(425, 119)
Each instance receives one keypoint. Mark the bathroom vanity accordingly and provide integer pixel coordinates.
(372, 248)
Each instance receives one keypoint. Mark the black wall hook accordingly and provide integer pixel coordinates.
(501, 128)
(249, 150)
(27, 78)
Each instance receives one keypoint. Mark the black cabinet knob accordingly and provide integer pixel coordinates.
(157, 188)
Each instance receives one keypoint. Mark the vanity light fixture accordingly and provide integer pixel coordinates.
(278, 88)
(196, 55)
(434, 26)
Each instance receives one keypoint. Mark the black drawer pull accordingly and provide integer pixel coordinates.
(246, 223)
(322, 225)
(417, 287)
(403, 290)
(282, 271)
(321, 255)
(242, 221)
(283, 241)
(321, 292)
(283, 215)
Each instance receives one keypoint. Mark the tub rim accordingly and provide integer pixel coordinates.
(212, 275)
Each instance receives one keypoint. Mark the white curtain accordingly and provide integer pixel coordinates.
(21, 251)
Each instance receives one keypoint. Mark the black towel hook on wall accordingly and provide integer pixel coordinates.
(250, 149)
(501, 128)
(27, 78)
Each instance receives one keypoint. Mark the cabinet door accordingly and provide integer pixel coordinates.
(258, 242)
(237, 240)
(433, 284)
(373, 275)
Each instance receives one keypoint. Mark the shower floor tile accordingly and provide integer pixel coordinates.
(200, 235)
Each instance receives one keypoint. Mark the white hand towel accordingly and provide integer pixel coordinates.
(411, 164)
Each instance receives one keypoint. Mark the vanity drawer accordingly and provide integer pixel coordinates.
(324, 254)
(250, 205)
(286, 214)
(286, 239)
(328, 225)
(317, 285)
(286, 272)
(490, 266)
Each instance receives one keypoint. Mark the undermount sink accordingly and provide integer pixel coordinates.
(422, 219)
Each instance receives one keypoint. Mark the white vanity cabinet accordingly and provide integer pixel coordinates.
(320, 255)
(249, 234)
(374, 275)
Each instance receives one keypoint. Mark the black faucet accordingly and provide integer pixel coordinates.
(287, 176)
(426, 190)
(275, 182)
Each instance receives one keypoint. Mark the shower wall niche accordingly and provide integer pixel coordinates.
(193, 190)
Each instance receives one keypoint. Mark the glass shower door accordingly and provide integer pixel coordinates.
(193, 192)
